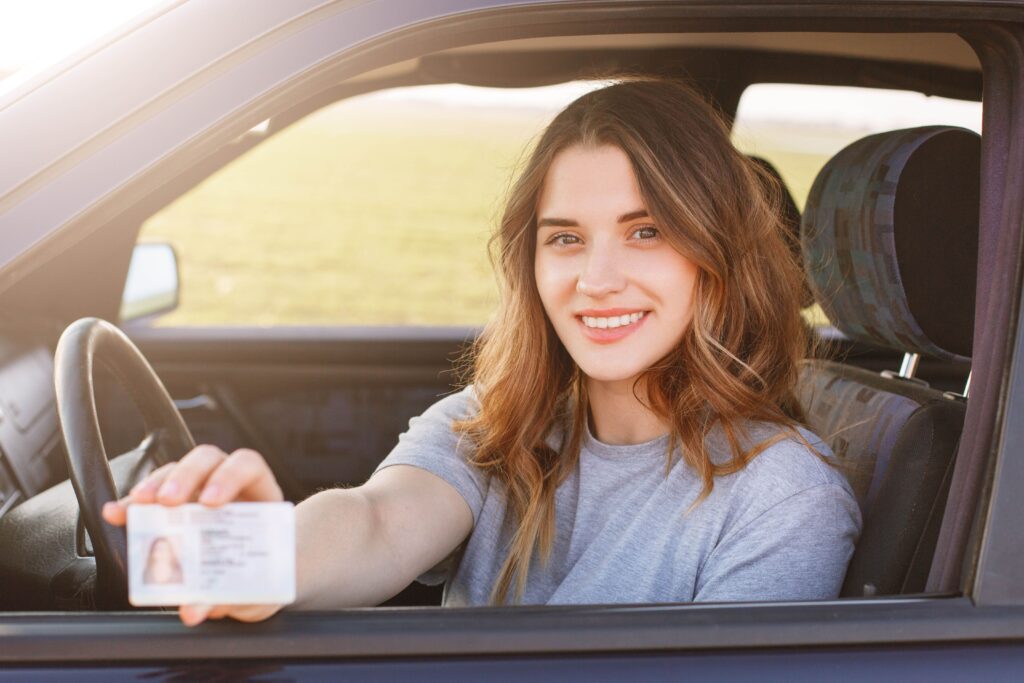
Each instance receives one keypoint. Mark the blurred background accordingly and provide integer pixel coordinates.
(377, 210)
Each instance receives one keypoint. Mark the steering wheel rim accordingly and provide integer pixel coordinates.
(83, 344)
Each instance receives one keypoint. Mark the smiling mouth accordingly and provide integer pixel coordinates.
(611, 322)
(609, 329)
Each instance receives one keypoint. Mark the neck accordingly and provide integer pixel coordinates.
(618, 417)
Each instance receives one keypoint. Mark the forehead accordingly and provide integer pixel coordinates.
(589, 181)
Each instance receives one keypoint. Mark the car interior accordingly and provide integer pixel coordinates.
(888, 236)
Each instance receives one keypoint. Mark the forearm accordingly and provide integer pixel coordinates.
(342, 554)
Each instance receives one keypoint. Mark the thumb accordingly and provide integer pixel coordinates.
(193, 615)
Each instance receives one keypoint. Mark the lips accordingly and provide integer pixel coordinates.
(610, 335)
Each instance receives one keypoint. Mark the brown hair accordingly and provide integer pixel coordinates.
(738, 358)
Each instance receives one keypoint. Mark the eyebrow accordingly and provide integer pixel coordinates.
(570, 223)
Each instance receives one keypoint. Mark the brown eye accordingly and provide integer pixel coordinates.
(646, 232)
(563, 239)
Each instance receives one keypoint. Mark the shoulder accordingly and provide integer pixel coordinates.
(795, 459)
(458, 406)
(789, 457)
(435, 426)
(432, 444)
(796, 469)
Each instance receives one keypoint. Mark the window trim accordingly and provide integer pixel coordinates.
(490, 631)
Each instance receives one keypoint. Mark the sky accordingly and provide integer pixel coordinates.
(36, 33)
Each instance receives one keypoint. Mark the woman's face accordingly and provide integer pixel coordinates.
(618, 295)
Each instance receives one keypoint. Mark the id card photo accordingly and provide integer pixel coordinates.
(241, 553)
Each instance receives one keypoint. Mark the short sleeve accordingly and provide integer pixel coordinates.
(797, 549)
(431, 444)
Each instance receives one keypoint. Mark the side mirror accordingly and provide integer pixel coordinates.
(152, 285)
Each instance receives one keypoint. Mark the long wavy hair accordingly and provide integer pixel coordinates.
(737, 360)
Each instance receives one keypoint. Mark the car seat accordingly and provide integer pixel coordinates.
(889, 239)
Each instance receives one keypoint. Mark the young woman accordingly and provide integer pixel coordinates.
(631, 433)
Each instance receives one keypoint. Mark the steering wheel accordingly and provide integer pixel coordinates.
(83, 344)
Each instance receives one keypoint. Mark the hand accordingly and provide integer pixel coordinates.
(212, 477)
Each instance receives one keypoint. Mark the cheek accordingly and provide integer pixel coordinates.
(688, 284)
(553, 281)
(677, 284)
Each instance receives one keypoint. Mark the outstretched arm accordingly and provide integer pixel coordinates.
(355, 546)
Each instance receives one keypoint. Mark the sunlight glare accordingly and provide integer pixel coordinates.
(36, 34)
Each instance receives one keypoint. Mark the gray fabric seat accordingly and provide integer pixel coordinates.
(889, 239)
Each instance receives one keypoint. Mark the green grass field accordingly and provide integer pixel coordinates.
(362, 215)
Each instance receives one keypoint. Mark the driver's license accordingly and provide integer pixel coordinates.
(238, 554)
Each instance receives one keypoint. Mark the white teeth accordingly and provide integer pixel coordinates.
(615, 321)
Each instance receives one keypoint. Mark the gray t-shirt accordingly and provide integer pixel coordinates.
(782, 528)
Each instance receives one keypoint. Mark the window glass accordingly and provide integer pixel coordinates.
(374, 211)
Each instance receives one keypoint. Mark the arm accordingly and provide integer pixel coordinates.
(354, 546)
(361, 546)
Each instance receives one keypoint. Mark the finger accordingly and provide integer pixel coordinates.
(145, 491)
(183, 482)
(193, 615)
(252, 613)
(219, 612)
(244, 475)
(115, 513)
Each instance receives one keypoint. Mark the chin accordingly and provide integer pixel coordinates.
(603, 373)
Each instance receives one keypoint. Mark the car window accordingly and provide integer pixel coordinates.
(344, 217)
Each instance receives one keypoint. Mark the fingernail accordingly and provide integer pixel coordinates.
(168, 490)
(210, 494)
(108, 508)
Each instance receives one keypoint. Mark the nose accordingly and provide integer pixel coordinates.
(602, 273)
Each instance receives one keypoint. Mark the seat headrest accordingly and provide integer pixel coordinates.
(890, 239)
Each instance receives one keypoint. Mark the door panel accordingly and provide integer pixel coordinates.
(324, 405)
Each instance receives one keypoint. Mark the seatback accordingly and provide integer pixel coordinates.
(889, 239)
